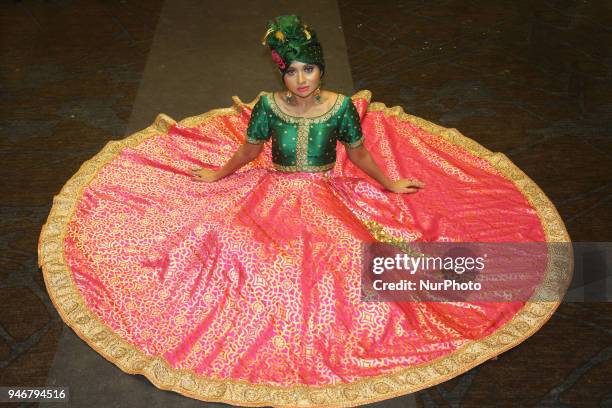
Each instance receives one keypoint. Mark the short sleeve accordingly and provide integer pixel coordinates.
(258, 130)
(349, 131)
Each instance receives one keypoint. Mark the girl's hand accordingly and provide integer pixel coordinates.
(205, 175)
(406, 186)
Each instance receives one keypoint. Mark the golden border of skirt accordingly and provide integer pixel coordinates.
(71, 306)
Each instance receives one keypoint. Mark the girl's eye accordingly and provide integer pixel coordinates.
(308, 69)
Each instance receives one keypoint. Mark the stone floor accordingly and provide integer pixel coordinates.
(529, 79)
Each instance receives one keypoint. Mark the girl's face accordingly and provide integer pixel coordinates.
(302, 79)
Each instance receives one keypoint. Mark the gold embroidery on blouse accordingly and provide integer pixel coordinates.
(303, 120)
(256, 141)
(306, 167)
(352, 145)
(301, 145)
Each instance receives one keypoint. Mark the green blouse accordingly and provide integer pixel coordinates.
(304, 144)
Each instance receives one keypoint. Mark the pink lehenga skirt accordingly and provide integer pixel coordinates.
(247, 290)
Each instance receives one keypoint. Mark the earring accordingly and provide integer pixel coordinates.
(288, 97)
(317, 94)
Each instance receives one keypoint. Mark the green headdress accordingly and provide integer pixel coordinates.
(291, 40)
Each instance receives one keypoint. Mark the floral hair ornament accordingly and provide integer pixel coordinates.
(278, 60)
(291, 40)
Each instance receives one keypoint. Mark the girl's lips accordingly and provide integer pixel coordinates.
(302, 89)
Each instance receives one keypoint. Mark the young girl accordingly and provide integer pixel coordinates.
(305, 120)
(242, 284)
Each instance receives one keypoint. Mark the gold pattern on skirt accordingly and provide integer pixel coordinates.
(70, 304)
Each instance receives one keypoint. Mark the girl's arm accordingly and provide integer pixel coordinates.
(361, 158)
(245, 154)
